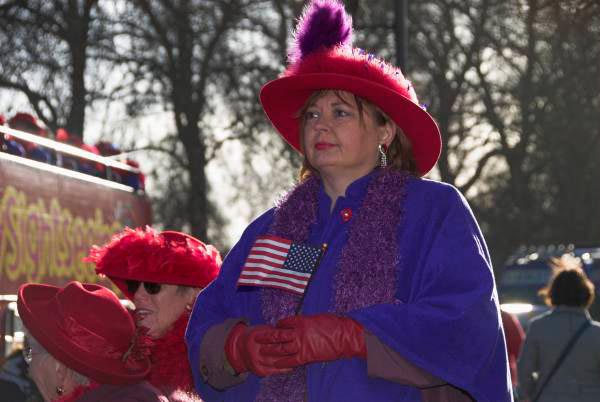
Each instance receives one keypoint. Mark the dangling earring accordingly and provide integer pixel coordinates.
(382, 156)
(188, 307)
(60, 390)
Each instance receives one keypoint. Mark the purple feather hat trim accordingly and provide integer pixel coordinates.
(323, 24)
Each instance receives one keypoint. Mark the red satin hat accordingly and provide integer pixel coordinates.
(322, 58)
(85, 327)
(145, 254)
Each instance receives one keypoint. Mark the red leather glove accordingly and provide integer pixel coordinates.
(243, 351)
(307, 339)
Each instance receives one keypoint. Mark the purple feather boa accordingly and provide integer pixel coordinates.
(324, 23)
(366, 272)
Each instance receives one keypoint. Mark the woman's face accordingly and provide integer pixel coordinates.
(337, 141)
(159, 311)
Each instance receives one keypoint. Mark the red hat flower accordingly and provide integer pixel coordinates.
(322, 58)
(85, 327)
(168, 257)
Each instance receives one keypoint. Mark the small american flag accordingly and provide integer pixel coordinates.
(279, 263)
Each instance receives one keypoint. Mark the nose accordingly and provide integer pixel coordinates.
(140, 294)
(322, 124)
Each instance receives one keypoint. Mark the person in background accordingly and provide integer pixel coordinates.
(577, 377)
(81, 344)
(514, 340)
(161, 272)
(75, 163)
(366, 282)
(136, 180)
(28, 123)
(8, 144)
(15, 384)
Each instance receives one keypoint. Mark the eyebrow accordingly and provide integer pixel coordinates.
(334, 103)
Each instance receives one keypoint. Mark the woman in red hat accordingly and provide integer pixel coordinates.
(162, 273)
(28, 123)
(366, 282)
(82, 345)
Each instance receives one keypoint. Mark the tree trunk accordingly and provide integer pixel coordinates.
(198, 209)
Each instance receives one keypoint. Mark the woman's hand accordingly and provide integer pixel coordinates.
(300, 340)
(243, 351)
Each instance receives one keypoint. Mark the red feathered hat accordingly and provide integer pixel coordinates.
(85, 327)
(322, 58)
(146, 255)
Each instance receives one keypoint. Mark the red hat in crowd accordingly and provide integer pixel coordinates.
(85, 327)
(107, 148)
(27, 119)
(323, 58)
(2, 120)
(166, 257)
(62, 135)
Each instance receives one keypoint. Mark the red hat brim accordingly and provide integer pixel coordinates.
(283, 98)
(40, 317)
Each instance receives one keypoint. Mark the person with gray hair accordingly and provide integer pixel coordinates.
(81, 344)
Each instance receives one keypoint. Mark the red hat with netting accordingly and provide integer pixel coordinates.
(85, 327)
(146, 255)
(322, 57)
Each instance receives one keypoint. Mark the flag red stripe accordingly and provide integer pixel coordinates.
(262, 247)
(248, 271)
(267, 254)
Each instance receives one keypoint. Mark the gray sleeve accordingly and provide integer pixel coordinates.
(384, 362)
(528, 364)
(214, 367)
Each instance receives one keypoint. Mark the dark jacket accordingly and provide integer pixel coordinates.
(140, 392)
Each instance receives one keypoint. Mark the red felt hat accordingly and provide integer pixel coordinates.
(30, 120)
(85, 327)
(166, 257)
(323, 59)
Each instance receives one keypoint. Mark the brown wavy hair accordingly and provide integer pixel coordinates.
(399, 153)
(569, 285)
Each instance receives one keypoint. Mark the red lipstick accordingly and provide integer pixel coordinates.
(321, 146)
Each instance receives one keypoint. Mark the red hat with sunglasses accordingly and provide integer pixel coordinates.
(144, 255)
(85, 327)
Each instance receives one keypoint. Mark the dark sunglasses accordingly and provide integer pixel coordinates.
(151, 287)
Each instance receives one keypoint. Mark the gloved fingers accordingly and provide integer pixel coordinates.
(278, 350)
(263, 371)
(263, 366)
(290, 322)
(275, 336)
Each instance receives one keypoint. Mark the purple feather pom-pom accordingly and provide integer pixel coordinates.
(324, 23)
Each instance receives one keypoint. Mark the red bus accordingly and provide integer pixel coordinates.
(49, 218)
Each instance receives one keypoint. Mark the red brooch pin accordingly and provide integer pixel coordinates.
(346, 214)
